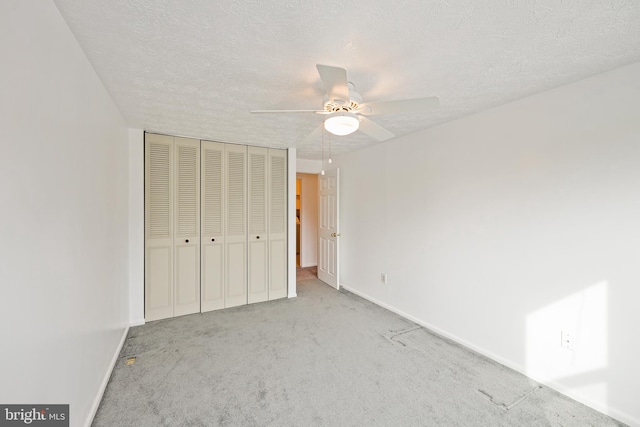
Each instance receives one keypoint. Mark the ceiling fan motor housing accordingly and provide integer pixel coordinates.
(333, 105)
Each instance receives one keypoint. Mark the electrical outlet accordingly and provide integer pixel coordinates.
(383, 278)
(567, 340)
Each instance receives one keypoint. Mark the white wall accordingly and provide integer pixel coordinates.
(502, 228)
(136, 227)
(309, 219)
(308, 166)
(64, 216)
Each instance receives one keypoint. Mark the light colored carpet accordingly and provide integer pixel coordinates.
(325, 358)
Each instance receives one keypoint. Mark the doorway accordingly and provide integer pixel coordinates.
(306, 225)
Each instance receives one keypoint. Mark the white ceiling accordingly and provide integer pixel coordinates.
(196, 68)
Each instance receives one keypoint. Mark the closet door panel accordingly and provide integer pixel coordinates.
(212, 284)
(258, 237)
(187, 226)
(277, 178)
(257, 279)
(235, 225)
(159, 286)
(236, 285)
(158, 227)
(187, 290)
(212, 243)
(278, 269)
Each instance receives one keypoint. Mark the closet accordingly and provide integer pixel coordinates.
(215, 225)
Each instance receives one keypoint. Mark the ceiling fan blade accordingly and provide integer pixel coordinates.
(374, 130)
(288, 111)
(399, 106)
(334, 81)
(313, 137)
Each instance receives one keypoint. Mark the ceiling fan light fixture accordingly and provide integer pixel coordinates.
(341, 123)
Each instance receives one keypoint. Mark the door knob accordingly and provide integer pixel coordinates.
(257, 237)
(335, 234)
(213, 240)
(186, 241)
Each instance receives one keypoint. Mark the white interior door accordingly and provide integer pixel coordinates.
(277, 224)
(212, 243)
(187, 227)
(257, 238)
(328, 234)
(158, 280)
(236, 225)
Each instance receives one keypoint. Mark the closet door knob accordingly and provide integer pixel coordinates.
(257, 237)
(186, 241)
(213, 240)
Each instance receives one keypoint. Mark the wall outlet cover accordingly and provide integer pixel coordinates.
(567, 340)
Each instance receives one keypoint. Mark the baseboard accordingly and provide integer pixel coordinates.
(105, 380)
(307, 266)
(292, 296)
(137, 322)
(560, 388)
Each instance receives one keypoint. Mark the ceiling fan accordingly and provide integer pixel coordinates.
(346, 110)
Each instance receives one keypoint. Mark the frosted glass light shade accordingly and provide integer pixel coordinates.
(341, 123)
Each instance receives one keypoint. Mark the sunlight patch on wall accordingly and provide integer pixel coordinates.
(567, 342)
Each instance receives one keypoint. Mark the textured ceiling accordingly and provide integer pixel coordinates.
(196, 68)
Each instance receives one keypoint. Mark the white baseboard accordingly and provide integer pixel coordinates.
(560, 388)
(137, 322)
(105, 380)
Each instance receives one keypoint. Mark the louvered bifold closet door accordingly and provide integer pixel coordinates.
(257, 237)
(235, 225)
(277, 190)
(187, 227)
(158, 277)
(212, 226)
